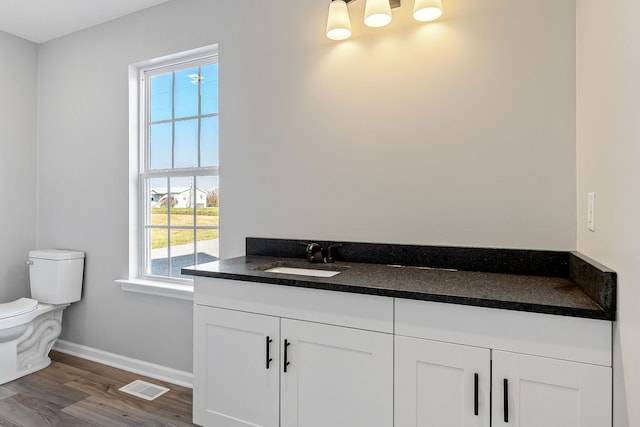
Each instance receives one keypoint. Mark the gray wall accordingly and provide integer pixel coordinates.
(461, 132)
(18, 115)
(608, 156)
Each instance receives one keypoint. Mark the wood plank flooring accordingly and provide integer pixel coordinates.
(77, 392)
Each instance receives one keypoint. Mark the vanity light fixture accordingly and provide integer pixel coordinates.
(377, 13)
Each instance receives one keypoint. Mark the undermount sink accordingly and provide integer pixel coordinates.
(302, 271)
(298, 270)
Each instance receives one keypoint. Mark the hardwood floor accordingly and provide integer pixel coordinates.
(76, 392)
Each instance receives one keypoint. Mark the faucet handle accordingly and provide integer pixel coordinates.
(331, 248)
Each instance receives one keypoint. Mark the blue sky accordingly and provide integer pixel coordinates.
(184, 105)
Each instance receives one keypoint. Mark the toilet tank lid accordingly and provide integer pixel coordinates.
(55, 254)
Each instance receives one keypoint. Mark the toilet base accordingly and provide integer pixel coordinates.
(30, 351)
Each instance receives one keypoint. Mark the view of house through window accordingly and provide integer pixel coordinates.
(179, 171)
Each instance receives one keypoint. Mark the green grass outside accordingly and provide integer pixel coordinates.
(183, 217)
(187, 211)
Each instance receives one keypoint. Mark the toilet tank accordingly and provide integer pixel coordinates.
(56, 275)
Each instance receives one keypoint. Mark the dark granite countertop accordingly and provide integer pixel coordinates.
(581, 288)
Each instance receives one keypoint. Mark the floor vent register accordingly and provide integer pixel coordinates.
(144, 390)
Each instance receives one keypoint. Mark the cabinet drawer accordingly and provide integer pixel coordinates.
(560, 337)
(367, 312)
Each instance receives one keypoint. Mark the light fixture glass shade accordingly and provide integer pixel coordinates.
(338, 23)
(377, 13)
(427, 10)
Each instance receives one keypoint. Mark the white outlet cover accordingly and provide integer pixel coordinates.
(591, 211)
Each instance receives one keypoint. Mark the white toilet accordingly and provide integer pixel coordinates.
(30, 326)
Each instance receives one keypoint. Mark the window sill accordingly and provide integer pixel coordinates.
(164, 289)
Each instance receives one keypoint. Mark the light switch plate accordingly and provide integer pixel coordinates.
(591, 211)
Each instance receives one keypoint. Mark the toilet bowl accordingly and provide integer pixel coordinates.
(29, 327)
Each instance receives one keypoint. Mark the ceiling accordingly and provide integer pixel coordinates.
(43, 20)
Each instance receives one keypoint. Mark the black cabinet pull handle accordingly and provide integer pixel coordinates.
(286, 354)
(269, 359)
(475, 394)
(505, 387)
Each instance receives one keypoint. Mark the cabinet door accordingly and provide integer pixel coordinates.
(530, 391)
(441, 384)
(232, 385)
(338, 377)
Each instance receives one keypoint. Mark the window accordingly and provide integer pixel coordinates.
(177, 178)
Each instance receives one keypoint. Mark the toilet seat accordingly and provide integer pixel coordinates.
(17, 307)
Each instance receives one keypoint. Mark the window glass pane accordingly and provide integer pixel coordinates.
(182, 191)
(182, 250)
(207, 216)
(209, 89)
(160, 146)
(181, 255)
(186, 146)
(209, 142)
(208, 188)
(158, 260)
(157, 190)
(186, 93)
(160, 97)
(207, 245)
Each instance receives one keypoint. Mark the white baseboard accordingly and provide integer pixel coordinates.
(141, 367)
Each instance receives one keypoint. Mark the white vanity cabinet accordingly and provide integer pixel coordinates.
(455, 365)
(358, 360)
(327, 367)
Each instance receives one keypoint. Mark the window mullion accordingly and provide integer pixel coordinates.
(144, 239)
(169, 226)
(195, 210)
(199, 116)
(173, 120)
(183, 119)
(195, 179)
(173, 163)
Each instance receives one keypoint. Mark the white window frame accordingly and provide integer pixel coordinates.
(137, 281)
